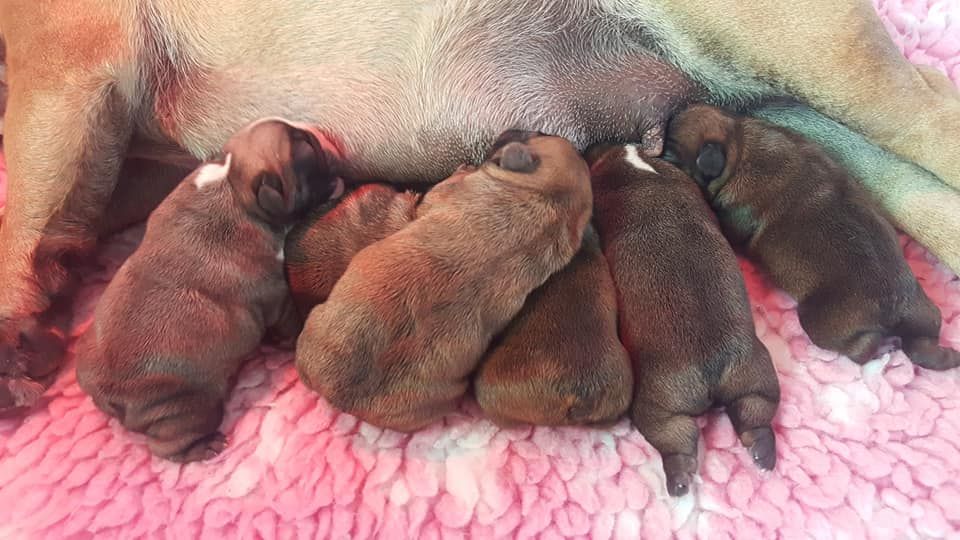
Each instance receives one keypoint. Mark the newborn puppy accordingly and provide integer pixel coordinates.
(319, 248)
(683, 309)
(412, 315)
(198, 295)
(560, 362)
(815, 230)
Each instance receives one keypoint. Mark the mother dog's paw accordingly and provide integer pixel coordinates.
(30, 355)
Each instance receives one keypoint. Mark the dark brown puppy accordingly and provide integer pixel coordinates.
(198, 295)
(319, 248)
(815, 230)
(684, 314)
(560, 362)
(406, 325)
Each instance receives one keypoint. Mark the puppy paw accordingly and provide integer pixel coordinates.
(762, 446)
(30, 354)
(928, 354)
(202, 449)
(679, 470)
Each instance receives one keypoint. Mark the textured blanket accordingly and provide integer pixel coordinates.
(869, 451)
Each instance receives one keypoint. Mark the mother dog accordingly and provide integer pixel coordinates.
(108, 101)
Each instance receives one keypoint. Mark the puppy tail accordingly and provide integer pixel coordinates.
(927, 353)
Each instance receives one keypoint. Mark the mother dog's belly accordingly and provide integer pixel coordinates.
(411, 100)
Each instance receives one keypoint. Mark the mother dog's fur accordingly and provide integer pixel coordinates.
(408, 89)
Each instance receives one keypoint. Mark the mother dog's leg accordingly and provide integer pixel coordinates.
(66, 127)
(833, 54)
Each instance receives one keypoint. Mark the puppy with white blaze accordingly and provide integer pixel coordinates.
(188, 308)
(131, 91)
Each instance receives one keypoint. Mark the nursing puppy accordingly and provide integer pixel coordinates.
(406, 92)
(412, 315)
(560, 362)
(684, 314)
(816, 232)
(206, 284)
(319, 248)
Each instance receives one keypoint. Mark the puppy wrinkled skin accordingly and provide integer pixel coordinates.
(402, 330)
(202, 290)
(816, 232)
(319, 248)
(684, 314)
(560, 362)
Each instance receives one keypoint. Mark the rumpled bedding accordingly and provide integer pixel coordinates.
(864, 452)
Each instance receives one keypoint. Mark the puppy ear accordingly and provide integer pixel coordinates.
(303, 178)
(507, 137)
(270, 196)
(711, 161)
(517, 157)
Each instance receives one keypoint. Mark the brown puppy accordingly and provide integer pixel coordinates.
(560, 362)
(406, 97)
(413, 314)
(815, 230)
(198, 295)
(684, 314)
(319, 248)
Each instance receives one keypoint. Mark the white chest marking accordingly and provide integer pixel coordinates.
(212, 173)
(633, 158)
(280, 254)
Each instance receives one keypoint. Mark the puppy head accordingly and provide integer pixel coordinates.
(701, 140)
(616, 166)
(536, 160)
(546, 167)
(511, 153)
(280, 169)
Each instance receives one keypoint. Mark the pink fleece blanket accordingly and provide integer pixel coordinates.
(863, 452)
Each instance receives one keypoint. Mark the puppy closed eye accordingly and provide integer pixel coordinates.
(711, 161)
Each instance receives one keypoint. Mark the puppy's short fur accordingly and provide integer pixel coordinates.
(406, 94)
(683, 309)
(198, 295)
(412, 315)
(319, 248)
(815, 230)
(560, 362)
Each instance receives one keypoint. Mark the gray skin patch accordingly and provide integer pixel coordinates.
(739, 223)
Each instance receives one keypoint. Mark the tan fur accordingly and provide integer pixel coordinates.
(189, 307)
(838, 57)
(407, 89)
(412, 315)
(684, 314)
(319, 248)
(560, 362)
(817, 233)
